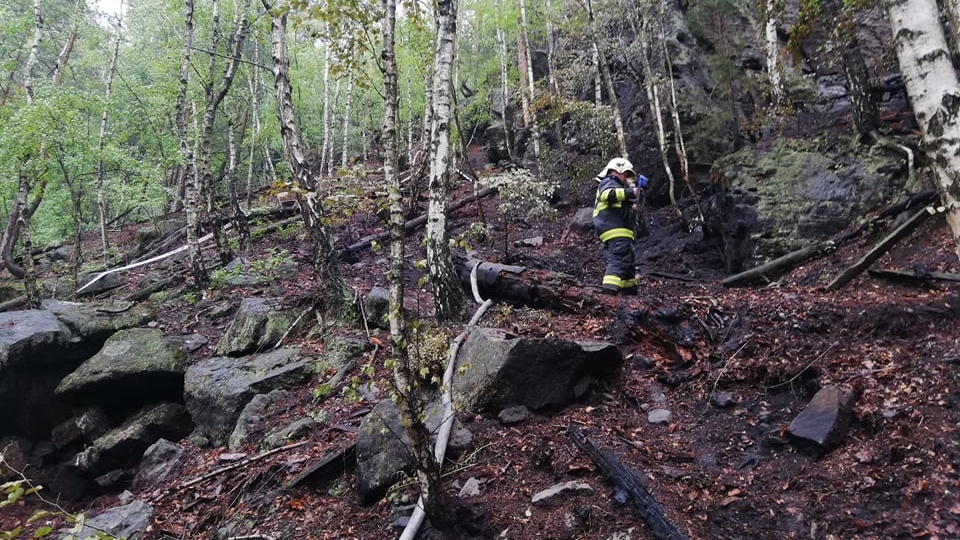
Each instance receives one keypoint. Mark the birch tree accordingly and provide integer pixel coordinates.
(604, 69)
(331, 296)
(448, 295)
(934, 91)
(111, 71)
(527, 58)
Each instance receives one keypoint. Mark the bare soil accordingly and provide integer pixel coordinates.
(721, 472)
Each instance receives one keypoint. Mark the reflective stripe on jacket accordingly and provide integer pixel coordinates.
(612, 214)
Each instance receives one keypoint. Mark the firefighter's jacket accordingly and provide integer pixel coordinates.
(612, 214)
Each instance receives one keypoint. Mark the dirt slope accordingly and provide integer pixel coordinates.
(721, 472)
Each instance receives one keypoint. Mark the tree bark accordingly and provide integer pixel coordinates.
(934, 93)
(448, 297)
(101, 202)
(531, 94)
(332, 289)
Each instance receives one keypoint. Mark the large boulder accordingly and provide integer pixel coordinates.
(258, 325)
(34, 337)
(792, 194)
(500, 371)
(126, 444)
(94, 322)
(135, 367)
(217, 389)
(36, 351)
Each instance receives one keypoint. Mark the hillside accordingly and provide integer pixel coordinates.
(722, 466)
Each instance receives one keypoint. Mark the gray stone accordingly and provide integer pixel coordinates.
(376, 307)
(499, 371)
(723, 400)
(159, 462)
(127, 521)
(659, 416)
(471, 488)
(33, 337)
(217, 389)
(293, 432)
(383, 448)
(135, 367)
(513, 415)
(16, 453)
(127, 443)
(822, 425)
(94, 322)
(259, 324)
(382, 452)
(582, 221)
(250, 416)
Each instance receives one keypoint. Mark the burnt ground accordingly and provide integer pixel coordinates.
(720, 472)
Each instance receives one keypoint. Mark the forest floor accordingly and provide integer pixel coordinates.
(720, 472)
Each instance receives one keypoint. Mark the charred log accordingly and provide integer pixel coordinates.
(630, 482)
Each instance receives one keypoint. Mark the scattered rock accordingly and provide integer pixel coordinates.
(659, 416)
(723, 400)
(127, 521)
(513, 415)
(822, 425)
(158, 463)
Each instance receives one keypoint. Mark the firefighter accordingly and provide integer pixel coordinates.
(613, 220)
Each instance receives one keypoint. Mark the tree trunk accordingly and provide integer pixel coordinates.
(214, 97)
(611, 87)
(101, 202)
(448, 296)
(346, 121)
(331, 295)
(934, 92)
(863, 106)
(772, 45)
(528, 58)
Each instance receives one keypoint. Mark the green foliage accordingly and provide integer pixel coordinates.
(20, 488)
(523, 195)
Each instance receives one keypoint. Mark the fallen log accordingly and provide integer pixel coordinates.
(884, 246)
(416, 222)
(630, 482)
(159, 285)
(779, 266)
(528, 286)
(912, 275)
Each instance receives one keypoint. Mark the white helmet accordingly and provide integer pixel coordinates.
(620, 165)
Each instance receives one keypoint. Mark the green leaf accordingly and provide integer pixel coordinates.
(43, 531)
(40, 514)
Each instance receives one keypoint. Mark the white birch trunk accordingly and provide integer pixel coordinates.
(504, 91)
(448, 295)
(101, 202)
(534, 127)
(772, 43)
(325, 144)
(934, 92)
(346, 121)
(34, 51)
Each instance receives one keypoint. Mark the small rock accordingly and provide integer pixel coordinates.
(513, 415)
(658, 416)
(724, 400)
(823, 423)
(471, 488)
